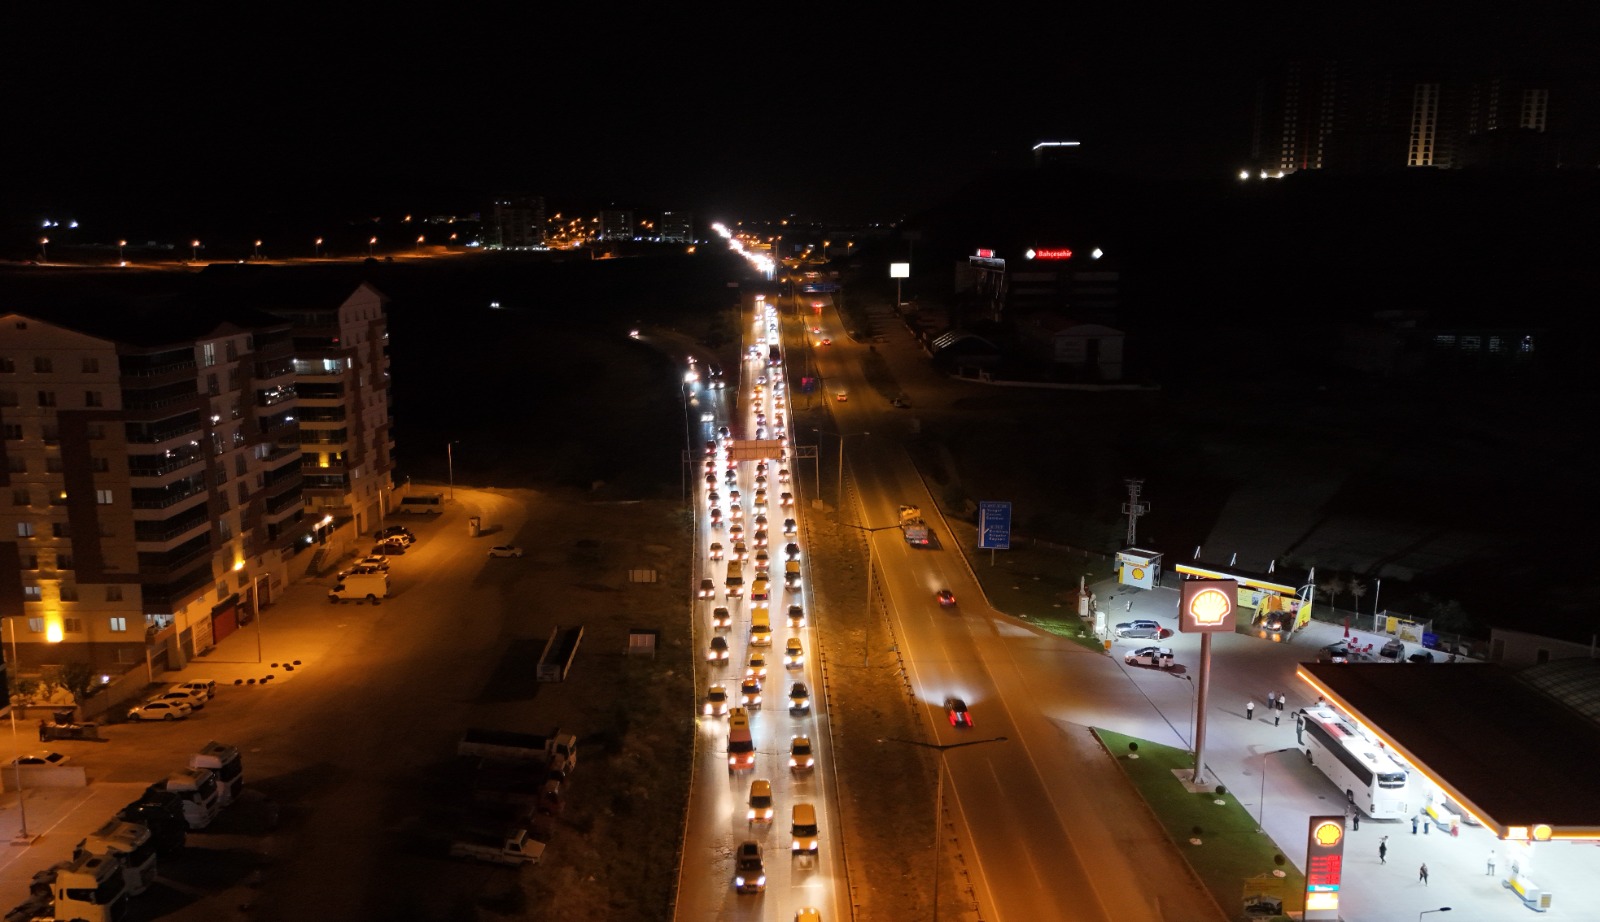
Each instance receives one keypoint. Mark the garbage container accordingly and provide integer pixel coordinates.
(474, 527)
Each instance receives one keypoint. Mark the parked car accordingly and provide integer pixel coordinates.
(197, 699)
(206, 687)
(396, 533)
(1150, 630)
(43, 757)
(160, 710)
(956, 709)
(389, 549)
(1150, 656)
(505, 550)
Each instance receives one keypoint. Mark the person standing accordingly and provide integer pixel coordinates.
(1299, 729)
(1413, 825)
(1272, 701)
(1383, 850)
(1249, 710)
(1490, 872)
(1422, 875)
(1281, 698)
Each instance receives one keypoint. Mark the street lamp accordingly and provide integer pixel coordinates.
(316, 249)
(194, 250)
(419, 242)
(1426, 911)
(120, 245)
(371, 242)
(258, 249)
(1378, 591)
(938, 799)
(450, 463)
(1262, 800)
(23, 837)
(44, 249)
(842, 436)
(866, 624)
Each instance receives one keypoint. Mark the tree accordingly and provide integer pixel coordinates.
(78, 678)
(1332, 587)
(1357, 589)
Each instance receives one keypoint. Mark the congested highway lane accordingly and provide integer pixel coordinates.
(719, 803)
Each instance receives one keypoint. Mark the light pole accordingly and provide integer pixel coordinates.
(316, 249)
(1190, 679)
(23, 837)
(194, 251)
(1262, 801)
(1376, 592)
(839, 498)
(938, 800)
(1426, 911)
(44, 249)
(121, 244)
(866, 625)
(371, 242)
(450, 464)
(258, 251)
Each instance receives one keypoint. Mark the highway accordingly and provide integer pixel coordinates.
(717, 819)
(1055, 831)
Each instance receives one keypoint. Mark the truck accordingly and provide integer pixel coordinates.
(559, 652)
(508, 746)
(162, 814)
(198, 789)
(64, 726)
(131, 844)
(514, 848)
(913, 527)
(741, 746)
(89, 888)
(521, 785)
(226, 764)
(368, 587)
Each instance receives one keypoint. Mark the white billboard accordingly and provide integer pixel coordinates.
(899, 270)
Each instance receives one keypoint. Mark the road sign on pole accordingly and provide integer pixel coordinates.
(994, 526)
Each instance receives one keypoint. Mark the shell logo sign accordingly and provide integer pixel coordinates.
(1207, 605)
(1328, 835)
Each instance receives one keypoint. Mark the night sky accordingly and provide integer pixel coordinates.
(826, 110)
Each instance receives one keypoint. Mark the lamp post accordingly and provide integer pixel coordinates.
(121, 244)
(865, 625)
(1376, 592)
(839, 497)
(938, 799)
(44, 249)
(23, 836)
(1261, 802)
(316, 248)
(1190, 679)
(450, 464)
(194, 251)
(1426, 911)
(258, 250)
(371, 242)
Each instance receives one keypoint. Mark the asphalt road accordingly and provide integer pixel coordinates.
(1054, 830)
(717, 821)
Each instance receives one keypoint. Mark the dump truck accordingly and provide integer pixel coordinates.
(912, 526)
(508, 746)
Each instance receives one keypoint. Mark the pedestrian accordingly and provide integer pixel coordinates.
(1490, 872)
(1383, 850)
(1275, 717)
(42, 735)
(1355, 816)
(1249, 710)
(1281, 698)
(1422, 875)
(1272, 701)
(1426, 823)
(1413, 825)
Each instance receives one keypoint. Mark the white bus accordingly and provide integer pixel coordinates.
(1373, 779)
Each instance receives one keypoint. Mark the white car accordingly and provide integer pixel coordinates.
(1142, 628)
(1150, 656)
(505, 550)
(197, 699)
(160, 710)
(376, 563)
(716, 702)
(43, 757)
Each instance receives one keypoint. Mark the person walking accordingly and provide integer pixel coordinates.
(1422, 875)
(1249, 710)
(1490, 872)
(1383, 850)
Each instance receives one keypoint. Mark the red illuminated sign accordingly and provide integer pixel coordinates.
(1324, 854)
(1050, 253)
(986, 254)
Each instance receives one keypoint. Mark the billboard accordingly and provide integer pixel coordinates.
(899, 270)
(1208, 606)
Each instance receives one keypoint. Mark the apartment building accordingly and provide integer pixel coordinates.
(165, 456)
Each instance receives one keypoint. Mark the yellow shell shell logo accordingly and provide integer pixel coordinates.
(1328, 835)
(1138, 572)
(1209, 606)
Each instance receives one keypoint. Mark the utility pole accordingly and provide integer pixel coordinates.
(1133, 509)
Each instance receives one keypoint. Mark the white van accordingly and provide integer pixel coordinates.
(361, 586)
(422, 503)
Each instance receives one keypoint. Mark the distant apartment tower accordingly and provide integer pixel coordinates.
(616, 224)
(1329, 114)
(152, 491)
(676, 227)
(515, 222)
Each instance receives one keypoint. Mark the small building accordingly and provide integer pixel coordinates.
(1080, 351)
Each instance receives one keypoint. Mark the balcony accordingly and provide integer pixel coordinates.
(321, 414)
(164, 563)
(171, 496)
(148, 434)
(311, 467)
(290, 499)
(272, 396)
(170, 530)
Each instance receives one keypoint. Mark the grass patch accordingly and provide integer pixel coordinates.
(1233, 850)
(1036, 584)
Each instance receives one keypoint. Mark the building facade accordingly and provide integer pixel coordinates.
(616, 224)
(515, 222)
(676, 227)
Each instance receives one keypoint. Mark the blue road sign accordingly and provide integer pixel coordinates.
(994, 526)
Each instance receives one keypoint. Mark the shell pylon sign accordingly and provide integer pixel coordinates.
(1208, 606)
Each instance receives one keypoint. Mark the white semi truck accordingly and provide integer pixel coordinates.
(132, 845)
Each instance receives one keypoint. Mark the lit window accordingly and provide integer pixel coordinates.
(118, 625)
